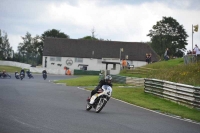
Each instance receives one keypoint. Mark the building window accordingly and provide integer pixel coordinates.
(52, 59)
(78, 59)
(55, 58)
(58, 58)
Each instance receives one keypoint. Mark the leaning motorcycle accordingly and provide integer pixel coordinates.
(17, 76)
(44, 76)
(99, 100)
(22, 75)
(6, 75)
(30, 75)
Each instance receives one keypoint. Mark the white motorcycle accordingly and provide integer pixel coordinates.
(99, 100)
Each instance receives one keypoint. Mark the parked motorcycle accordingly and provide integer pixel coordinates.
(5, 75)
(99, 100)
(22, 75)
(44, 76)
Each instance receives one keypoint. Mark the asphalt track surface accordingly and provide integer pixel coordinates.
(39, 106)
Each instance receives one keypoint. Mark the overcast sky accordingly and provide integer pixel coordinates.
(116, 20)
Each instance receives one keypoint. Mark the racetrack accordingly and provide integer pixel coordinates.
(39, 106)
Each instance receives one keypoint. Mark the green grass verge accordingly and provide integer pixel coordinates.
(10, 69)
(84, 81)
(81, 81)
(138, 97)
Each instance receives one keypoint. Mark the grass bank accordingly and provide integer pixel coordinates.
(138, 97)
(84, 81)
(172, 70)
(10, 69)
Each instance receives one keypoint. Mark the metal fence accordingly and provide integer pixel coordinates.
(191, 58)
(180, 93)
(128, 80)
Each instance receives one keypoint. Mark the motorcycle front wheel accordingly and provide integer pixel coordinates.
(100, 105)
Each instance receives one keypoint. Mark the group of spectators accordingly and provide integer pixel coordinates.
(196, 50)
(125, 64)
(148, 58)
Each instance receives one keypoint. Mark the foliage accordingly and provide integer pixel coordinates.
(168, 33)
(5, 48)
(93, 38)
(29, 48)
(49, 33)
(89, 38)
(186, 74)
(54, 33)
(28, 44)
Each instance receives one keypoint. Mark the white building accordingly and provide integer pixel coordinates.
(73, 53)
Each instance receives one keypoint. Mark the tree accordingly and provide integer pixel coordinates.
(29, 48)
(49, 33)
(168, 33)
(5, 48)
(89, 38)
(54, 33)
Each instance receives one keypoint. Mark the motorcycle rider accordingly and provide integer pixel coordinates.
(28, 73)
(106, 81)
(23, 72)
(3, 73)
(44, 72)
(16, 74)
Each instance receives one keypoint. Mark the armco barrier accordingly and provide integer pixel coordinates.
(180, 93)
(85, 72)
(119, 79)
(128, 80)
(135, 81)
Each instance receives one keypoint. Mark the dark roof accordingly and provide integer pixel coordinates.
(62, 47)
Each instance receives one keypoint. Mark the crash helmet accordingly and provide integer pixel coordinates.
(108, 78)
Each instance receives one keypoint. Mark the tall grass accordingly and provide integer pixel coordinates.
(173, 70)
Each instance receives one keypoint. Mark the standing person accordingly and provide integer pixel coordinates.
(196, 49)
(68, 72)
(149, 58)
(124, 63)
(166, 55)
